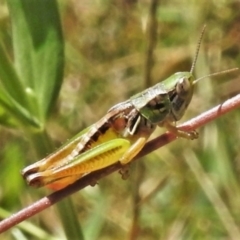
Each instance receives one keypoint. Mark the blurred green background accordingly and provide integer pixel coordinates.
(186, 190)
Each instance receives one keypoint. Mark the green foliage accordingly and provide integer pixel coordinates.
(30, 83)
(187, 190)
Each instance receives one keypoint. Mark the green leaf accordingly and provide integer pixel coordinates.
(38, 54)
(15, 112)
(10, 81)
(12, 97)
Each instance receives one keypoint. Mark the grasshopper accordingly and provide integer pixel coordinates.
(121, 133)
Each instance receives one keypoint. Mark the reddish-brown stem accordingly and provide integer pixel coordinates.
(91, 178)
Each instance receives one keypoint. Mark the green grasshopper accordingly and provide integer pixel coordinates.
(121, 133)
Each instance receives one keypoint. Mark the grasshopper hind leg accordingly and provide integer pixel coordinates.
(98, 157)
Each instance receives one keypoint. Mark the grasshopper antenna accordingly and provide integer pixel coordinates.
(195, 60)
(216, 74)
(197, 50)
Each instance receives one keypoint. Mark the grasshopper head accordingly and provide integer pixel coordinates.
(181, 87)
(180, 95)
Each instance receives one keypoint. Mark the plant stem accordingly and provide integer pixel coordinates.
(202, 119)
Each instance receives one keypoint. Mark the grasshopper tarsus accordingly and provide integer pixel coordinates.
(193, 135)
(93, 183)
(125, 172)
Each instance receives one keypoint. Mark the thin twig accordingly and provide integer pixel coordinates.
(156, 143)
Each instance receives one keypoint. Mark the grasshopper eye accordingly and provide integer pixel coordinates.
(183, 86)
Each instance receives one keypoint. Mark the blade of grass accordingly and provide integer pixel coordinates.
(208, 187)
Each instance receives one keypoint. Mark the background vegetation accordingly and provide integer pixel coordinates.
(187, 190)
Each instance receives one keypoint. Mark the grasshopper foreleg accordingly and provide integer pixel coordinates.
(125, 160)
(139, 130)
(179, 132)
